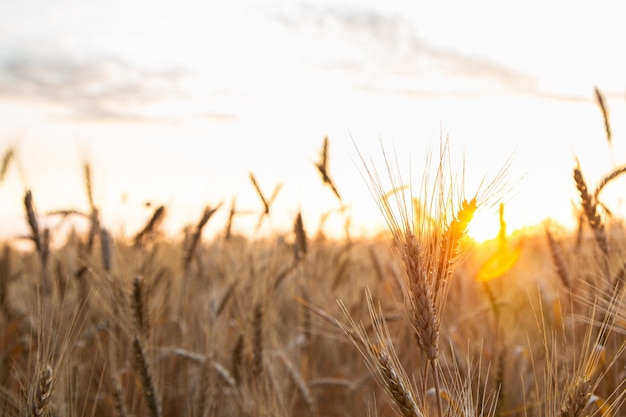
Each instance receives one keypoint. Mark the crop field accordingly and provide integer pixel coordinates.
(420, 321)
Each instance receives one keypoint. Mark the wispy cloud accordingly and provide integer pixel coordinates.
(100, 88)
(389, 44)
(222, 117)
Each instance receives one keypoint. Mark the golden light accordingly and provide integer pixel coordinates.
(483, 227)
(499, 263)
(504, 258)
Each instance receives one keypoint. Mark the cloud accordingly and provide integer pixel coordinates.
(99, 88)
(388, 44)
(223, 117)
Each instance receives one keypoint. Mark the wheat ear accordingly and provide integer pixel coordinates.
(576, 398)
(559, 260)
(5, 273)
(195, 239)
(237, 359)
(42, 396)
(605, 113)
(590, 209)
(231, 217)
(423, 312)
(145, 374)
(94, 217)
(151, 226)
(300, 244)
(396, 386)
(106, 249)
(607, 179)
(118, 398)
(41, 240)
(449, 252)
(140, 308)
(381, 358)
(322, 168)
(257, 340)
(7, 157)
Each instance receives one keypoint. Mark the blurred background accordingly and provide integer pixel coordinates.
(175, 103)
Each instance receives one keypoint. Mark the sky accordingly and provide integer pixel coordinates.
(175, 103)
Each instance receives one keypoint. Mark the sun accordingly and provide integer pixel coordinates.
(484, 226)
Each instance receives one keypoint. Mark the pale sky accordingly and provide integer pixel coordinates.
(176, 102)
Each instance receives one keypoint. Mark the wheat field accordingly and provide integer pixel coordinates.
(421, 321)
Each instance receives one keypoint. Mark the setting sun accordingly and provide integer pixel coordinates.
(484, 227)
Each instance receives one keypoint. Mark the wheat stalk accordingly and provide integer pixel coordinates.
(195, 238)
(140, 307)
(151, 226)
(118, 398)
(94, 215)
(449, 247)
(427, 233)
(589, 205)
(593, 366)
(613, 307)
(7, 158)
(5, 273)
(106, 249)
(203, 389)
(299, 382)
(267, 202)
(81, 276)
(31, 217)
(322, 168)
(41, 240)
(381, 358)
(396, 386)
(605, 113)
(228, 294)
(616, 172)
(145, 375)
(257, 340)
(300, 246)
(88, 184)
(237, 359)
(231, 217)
(559, 260)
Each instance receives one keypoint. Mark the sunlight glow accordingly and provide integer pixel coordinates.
(502, 261)
(177, 104)
(483, 227)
